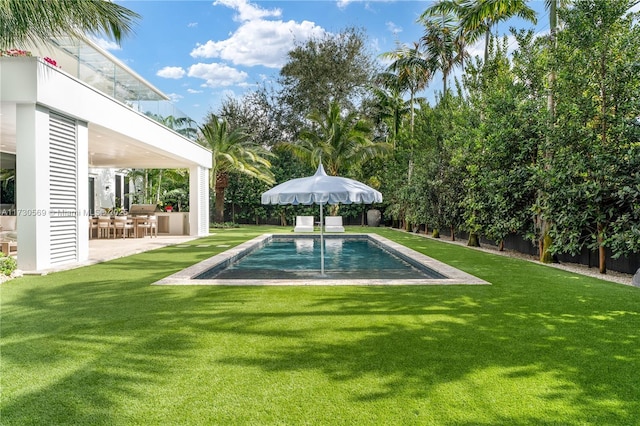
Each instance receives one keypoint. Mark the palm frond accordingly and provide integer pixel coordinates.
(34, 21)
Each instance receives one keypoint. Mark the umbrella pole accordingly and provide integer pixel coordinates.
(321, 242)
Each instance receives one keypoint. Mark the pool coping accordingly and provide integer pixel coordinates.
(455, 276)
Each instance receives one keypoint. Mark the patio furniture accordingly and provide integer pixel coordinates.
(93, 226)
(149, 224)
(9, 247)
(104, 226)
(8, 224)
(304, 224)
(333, 224)
(124, 225)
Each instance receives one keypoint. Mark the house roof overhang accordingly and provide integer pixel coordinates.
(119, 136)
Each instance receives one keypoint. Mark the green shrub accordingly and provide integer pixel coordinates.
(7, 264)
(219, 225)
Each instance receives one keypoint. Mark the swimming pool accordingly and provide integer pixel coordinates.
(292, 261)
(299, 258)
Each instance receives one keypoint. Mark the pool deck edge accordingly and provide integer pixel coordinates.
(455, 276)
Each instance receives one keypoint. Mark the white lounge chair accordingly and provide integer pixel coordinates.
(304, 224)
(333, 224)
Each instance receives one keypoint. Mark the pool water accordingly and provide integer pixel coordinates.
(299, 258)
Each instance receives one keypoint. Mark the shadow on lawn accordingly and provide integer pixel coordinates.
(101, 336)
(574, 366)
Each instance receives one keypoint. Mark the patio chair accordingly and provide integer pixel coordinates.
(333, 224)
(149, 224)
(304, 224)
(122, 224)
(104, 226)
(93, 226)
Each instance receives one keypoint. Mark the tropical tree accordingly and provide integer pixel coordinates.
(388, 107)
(232, 150)
(184, 125)
(340, 141)
(591, 172)
(34, 21)
(412, 72)
(543, 223)
(444, 47)
(479, 16)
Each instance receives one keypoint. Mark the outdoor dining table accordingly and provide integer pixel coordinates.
(131, 220)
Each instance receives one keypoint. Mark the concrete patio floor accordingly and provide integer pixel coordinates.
(103, 249)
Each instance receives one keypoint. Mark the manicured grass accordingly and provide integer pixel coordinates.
(99, 345)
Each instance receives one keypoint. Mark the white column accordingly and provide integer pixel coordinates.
(32, 187)
(198, 201)
(82, 160)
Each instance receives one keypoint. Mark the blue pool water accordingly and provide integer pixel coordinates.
(299, 258)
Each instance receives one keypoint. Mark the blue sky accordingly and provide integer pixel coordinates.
(199, 52)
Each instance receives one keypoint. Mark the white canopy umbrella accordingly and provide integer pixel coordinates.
(321, 189)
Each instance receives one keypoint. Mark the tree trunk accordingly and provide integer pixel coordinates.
(545, 243)
(545, 238)
(453, 233)
(222, 181)
(474, 241)
(219, 209)
(487, 39)
(602, 254)
(501, 245)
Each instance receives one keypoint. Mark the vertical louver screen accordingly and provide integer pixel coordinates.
(63, 189)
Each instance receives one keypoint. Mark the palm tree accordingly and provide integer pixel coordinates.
(449, 12)
(183, 125)
(390, 107)
(414, 72)
(232, 150)
(478, 16)
(444, 46)
(33, 21)
(338, 141)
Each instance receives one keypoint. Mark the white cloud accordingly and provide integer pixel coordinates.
(342, 4)
(175, 97)
(259, 42)
(194, 91)
(393, 28)
(248, 11)
(171, 72)
(217, 75)
(105, 44)
(192, 24)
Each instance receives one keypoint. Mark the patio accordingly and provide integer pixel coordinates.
(103, 249)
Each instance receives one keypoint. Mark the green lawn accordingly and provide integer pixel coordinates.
(100, 346)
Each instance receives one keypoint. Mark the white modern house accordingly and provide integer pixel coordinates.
(67, 129)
